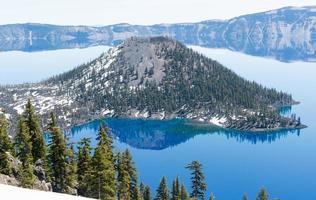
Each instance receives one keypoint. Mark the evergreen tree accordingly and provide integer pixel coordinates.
(57, 158)
(34, 128)
(262, 195)
(175, 189)
(72, 169)
(142, 188)
(137, 194)
(103, 173)
(184, 195)
(197, 180)
(84, 169)
(244, 197)
(147, 193)
(23, 148)
(131, 170)
(5, 146)
(127, 176)
(212, 197)
(162, 191)
(123, 178)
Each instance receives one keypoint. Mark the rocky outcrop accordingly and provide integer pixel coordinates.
(8, 180)
(39, 172)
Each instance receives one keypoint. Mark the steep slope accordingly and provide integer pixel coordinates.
(285, 34)
(156, 78)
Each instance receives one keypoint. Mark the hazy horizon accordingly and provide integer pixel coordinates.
(141, 12)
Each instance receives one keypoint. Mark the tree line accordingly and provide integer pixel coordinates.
(91, 172)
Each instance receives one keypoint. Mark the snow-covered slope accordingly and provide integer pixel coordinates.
(8, 192)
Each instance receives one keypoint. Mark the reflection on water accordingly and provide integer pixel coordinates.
(158, 135)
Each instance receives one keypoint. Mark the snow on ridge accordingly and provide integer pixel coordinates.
(17, 193)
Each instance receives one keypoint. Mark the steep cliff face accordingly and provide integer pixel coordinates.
(157, 78)
(285, 34)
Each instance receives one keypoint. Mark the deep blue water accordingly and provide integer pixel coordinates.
(234, 163)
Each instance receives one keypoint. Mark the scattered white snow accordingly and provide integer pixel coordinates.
(15, 193)
(107, 111)
(19, 109)
(218, 121)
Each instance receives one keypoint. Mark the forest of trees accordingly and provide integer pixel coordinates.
(190, 82)
(86, 171)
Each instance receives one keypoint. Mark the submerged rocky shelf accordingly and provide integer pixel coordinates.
(153, 78)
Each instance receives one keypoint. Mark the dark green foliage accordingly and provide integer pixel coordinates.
(262, 195)
(175, 193)
(137, 194)
(184, 195)
(147, 193)
(127, 176)
(197, 180)
(244, 197)
(23, 148)
(123, 178)
(35, 131)
(84, 170)
(131, 169)
(6, 146)
(58, 160)
(212, 197)
(72, 168)
(162, 191)
(103, 182)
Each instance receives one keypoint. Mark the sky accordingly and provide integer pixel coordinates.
(104, 12)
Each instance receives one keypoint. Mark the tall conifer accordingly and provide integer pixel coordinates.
(147, 193)
(262, 195)
(84, 169)
(57, 157)
(5, 146)
(162, 191)
(23, 148)
(35, 131)
(103, 173)
(184, 195)
(197, 180)
(175, 189)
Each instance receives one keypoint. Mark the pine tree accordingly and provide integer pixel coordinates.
(184, 195)
(212, 197)
(123, 178)
(244, 197)
(57, 157)
(147, 193)
(84, 169)
(23, 148)
(162, 191)
(103, 173)
(175, 189)
(197, 180)
(142, 188)
(262, 195)
(131, 169)
(72, 169)
(34, 128)
(6, 146)
(137, 194)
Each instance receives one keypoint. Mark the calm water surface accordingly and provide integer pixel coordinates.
(234, 163)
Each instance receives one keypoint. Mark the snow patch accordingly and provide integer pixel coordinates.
(17, 193)
(218, 121)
